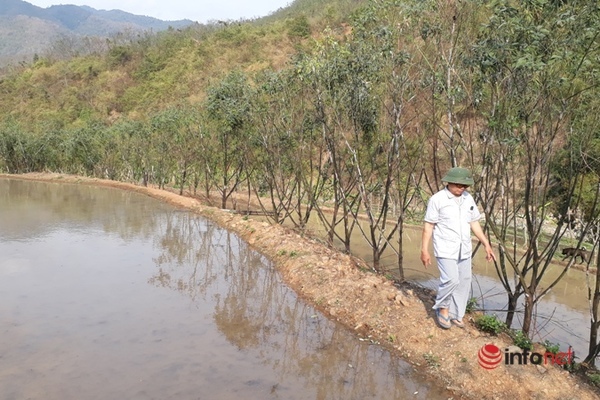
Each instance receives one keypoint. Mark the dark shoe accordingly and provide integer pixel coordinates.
(443, 322)
(458, 323)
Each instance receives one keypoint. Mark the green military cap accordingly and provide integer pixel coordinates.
(462, 176)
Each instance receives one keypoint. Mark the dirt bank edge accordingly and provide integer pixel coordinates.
(396, 316)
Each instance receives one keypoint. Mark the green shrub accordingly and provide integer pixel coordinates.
(521, 340)
(471, 305)
(551, 347)
(490, 324)
(595, 379)
(299, 27)
(119, 55)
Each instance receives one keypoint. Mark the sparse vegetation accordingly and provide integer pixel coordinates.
(521, 340)
(433, 361)
(490, 324)
(471, 305)
(553, 348)
(594, 378)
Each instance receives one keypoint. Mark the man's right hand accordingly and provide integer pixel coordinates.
(425, 239)
(425, 258)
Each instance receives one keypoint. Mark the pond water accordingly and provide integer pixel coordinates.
(108, 294)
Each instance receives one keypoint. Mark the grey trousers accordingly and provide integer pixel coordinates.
(455, 286)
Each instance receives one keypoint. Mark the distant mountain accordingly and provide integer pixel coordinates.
(27, 30)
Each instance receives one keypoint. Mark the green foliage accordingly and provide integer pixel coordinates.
(119, 56)
(471, 305)
(490, 324)
(594, 378)
(229, 101)
(320, 13)
(520, 339)
(299, 27)
(14, 146)
(553, 348)
(433, 361)
(234, 33)
(151, 63)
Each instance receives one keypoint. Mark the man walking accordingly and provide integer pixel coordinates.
(451, 216)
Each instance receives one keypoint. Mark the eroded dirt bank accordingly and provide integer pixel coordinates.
(399, 318)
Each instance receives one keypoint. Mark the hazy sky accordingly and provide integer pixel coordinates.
(171, 10)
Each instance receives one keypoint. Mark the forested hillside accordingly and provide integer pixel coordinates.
(345, 110)
(143, 73)
(62, 31)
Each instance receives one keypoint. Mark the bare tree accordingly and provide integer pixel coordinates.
(529, 108)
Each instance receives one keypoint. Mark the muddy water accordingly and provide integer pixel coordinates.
(112, 295)
(562, 315)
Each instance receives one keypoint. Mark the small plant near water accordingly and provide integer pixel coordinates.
(551, 347)
(490, 324)
(462, 358)
(594, 378)
(471, 305)
(521, 340)
(292, 253)
(362, 268)
(432, 360)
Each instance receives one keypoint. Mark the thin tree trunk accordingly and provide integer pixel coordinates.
(400, 247)
(594, 346)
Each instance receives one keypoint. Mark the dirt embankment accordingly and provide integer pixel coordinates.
(397, 316)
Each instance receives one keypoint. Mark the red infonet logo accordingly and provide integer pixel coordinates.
(490, 356)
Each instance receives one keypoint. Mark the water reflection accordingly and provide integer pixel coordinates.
(254, 311)
(32, 210)
(109, 294)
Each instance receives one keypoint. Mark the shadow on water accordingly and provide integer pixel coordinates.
(108, 294)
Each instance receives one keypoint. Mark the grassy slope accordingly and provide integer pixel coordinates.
(134, 79)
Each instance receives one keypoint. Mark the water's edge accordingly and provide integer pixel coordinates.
(333, 283)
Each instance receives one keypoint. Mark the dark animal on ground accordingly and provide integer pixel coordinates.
(573, 252)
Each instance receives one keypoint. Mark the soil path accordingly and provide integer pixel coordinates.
(398, 317)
